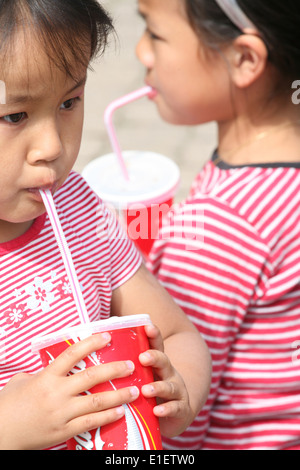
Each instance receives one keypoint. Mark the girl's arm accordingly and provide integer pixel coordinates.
(184, 369)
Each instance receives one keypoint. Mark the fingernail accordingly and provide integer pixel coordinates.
(106, 336)
(120, 411)
(146, 356)
(134, 392)
(148, 389)
(130, 365)
(160, 410)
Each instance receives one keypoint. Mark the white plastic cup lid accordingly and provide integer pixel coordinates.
(84, 331)
(154, 178)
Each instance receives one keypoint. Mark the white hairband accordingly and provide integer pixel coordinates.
(236, 14)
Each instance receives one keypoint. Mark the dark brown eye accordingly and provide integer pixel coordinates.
(14, 118)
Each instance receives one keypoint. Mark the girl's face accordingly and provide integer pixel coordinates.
(40, 134)
(192, 83)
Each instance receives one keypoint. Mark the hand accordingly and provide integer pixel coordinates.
(173, 410)
(46, 409)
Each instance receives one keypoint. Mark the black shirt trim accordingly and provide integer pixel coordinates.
(225, 166)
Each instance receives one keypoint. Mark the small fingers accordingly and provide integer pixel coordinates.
(171, 409)
(159, 362)
(92, 421)
(78, 351)
(92, 376)
(173, 404)
(155, 338)
(164, 390)
(98, 402)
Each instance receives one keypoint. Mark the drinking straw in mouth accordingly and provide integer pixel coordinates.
(66, 255)
(146, 91)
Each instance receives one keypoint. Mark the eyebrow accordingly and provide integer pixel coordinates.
(19, 99)
(146, 17)
(78, 84)
(141, 14)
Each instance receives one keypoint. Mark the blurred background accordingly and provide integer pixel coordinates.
(138, 125)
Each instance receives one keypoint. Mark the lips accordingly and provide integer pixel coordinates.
(35, 192)
(154, 92)
(50, 187)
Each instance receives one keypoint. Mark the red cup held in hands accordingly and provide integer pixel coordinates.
(139, 428)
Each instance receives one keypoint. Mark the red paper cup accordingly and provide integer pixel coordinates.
(139, 428)
(143, 201)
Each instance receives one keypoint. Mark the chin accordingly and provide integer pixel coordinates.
(174, 120)
(180, 119)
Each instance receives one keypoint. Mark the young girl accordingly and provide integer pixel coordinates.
(230, 255)
(45, 50)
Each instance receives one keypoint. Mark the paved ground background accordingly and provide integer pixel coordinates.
(138, 125)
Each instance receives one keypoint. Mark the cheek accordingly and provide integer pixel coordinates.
(180, 98)
(12, 159)
(193, 106)
(198, 95)
(72, 135)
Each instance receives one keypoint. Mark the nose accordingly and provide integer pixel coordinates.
(144, 51)
(45, 145)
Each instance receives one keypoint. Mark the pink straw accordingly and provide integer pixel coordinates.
(109, 124)
(66, 255)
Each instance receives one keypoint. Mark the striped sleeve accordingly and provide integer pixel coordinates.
(213, 262)
(104, 236)
(124, 257)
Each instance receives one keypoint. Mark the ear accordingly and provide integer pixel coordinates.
(248, 59)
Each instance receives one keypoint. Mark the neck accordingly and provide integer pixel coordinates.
(272, 137)
(10, 231)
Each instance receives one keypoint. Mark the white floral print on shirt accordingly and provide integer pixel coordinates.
(41, 294)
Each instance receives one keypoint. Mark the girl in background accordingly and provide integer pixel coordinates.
(230, 254)
(46, 48)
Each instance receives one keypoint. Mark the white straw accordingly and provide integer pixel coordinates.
(66, 255)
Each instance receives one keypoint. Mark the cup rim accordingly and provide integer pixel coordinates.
(126, 200)
(84, 331)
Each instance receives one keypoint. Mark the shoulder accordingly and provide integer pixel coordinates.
(75, 191)
(77, 201)
(80, 210)
(260, 196)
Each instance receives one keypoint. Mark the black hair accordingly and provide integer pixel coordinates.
(277, 21)
(72, 32)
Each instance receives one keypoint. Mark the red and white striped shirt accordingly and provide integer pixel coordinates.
(35, 292)
(230, 256)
